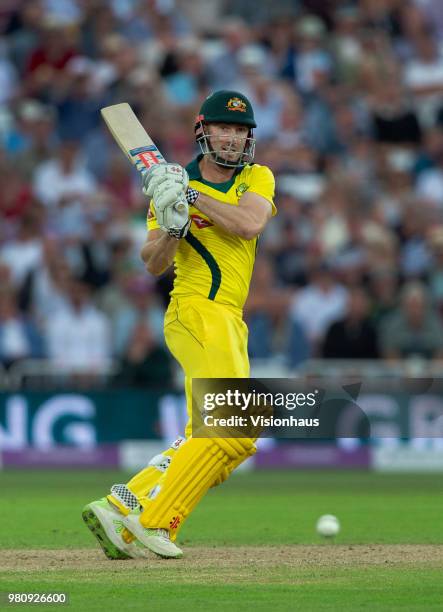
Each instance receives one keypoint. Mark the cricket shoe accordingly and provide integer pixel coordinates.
(157, 540)
(106, 524)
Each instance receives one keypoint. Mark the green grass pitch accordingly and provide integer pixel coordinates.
(250, 545)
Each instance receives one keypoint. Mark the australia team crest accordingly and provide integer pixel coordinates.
(236, 104)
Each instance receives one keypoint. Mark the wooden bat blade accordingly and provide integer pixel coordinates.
(131, 136)
(133, 139)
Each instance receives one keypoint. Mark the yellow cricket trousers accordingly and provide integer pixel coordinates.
(209, 340)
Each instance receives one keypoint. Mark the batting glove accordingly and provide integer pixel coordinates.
(178, 232)
(161, 173)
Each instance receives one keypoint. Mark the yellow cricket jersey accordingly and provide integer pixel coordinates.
(211, 261)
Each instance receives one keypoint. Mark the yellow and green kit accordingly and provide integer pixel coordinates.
(204, 327)
(211, 262)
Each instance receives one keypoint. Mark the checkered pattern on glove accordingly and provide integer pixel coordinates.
(178, 233)
(192, 195)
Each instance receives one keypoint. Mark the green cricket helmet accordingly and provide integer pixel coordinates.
(226, 106)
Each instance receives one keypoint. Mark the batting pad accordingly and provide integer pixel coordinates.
(228, 470)
(144, 481)
(141, 483)
(194, 468)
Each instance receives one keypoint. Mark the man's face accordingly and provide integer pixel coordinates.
(228, 140)
(414, 307)
(78, 293)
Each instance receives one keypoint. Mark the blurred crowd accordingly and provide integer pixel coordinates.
(348, 98)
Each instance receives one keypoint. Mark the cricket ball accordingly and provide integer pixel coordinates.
(328, 526)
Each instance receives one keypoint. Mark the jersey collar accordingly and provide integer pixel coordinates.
(194, 173)
(193, 169)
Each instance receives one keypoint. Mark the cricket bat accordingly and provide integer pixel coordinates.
(133, 139)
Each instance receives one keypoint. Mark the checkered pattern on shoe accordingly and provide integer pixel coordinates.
(125, 496)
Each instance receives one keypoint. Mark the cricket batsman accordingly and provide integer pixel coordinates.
(212, 242)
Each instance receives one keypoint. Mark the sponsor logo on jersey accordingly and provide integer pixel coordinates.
(236, 104)
(241, 189)
(200, 222)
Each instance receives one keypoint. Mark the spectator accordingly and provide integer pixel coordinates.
(24, 38)
(354, 336)
(66, 188)
(423, 74)
(185, 86)
(47, 61)
(19, 338)
(415, 256)
(145, 363)
(15, 195)
(119, 186)
(43, 292)
(77, 102)
(64, 11)
(431, 149)
(225, 68)
(265, 310)
(8, 76)
(33, 140)
(436, 270)
(142, 307)
(263, 92)
(310, 65)
(113, 297)
(383, 284)
(149, 20)
(414, 329)
(432, 11)
(285, 240)
(346, 43)
(395, 121)
(430, 182)
(291, 131)
(63, 180)
(397, 185)
(24, 253)
(317, 305)
(78, 335)
(95, 254)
